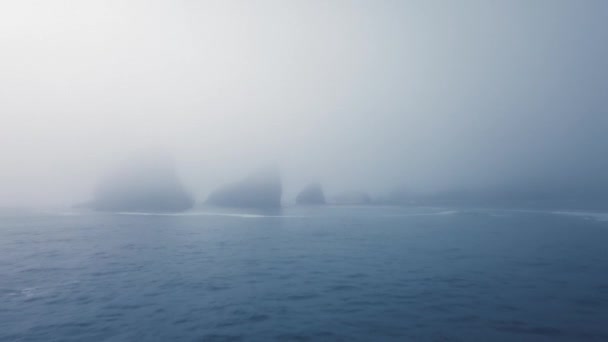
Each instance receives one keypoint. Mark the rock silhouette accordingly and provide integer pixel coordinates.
(312, 194)
(261, 189)
(148, 182)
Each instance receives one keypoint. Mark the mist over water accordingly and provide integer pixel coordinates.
(293, 170)
(359, 95)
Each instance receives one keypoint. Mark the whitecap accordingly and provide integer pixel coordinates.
(591, 215)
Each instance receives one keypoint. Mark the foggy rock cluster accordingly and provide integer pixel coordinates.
(149, 182)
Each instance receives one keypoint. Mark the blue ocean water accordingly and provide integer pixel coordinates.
(305, 274)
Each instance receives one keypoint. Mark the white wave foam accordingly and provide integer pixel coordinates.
(435, 213)
(448, 212)
(591, 215)
(241, 215)
(251, 215)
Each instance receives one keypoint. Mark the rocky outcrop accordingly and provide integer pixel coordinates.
(261, 189)
(312, 194)
(147, 182)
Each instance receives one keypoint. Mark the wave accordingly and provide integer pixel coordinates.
(241, 215)
(599, 216)
(434, 213)
(250, 215)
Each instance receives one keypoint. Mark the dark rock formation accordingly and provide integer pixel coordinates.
(352, 198)
(312, 194)
(148, 182)
(261, 189)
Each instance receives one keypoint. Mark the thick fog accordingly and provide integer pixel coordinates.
(357, 95)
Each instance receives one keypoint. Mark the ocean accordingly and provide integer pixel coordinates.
(305, 274)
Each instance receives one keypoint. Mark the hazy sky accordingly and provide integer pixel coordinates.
(360, 95)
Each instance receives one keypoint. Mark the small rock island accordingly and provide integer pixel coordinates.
(312, 194)
(147, 182)
(261, 189)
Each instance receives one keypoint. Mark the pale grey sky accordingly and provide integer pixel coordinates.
(357, 94)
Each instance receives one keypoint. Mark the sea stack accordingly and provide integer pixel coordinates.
(312, 194)
(147, 182)
(261, 189)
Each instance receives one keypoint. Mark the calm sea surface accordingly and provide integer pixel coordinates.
(336, 273)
